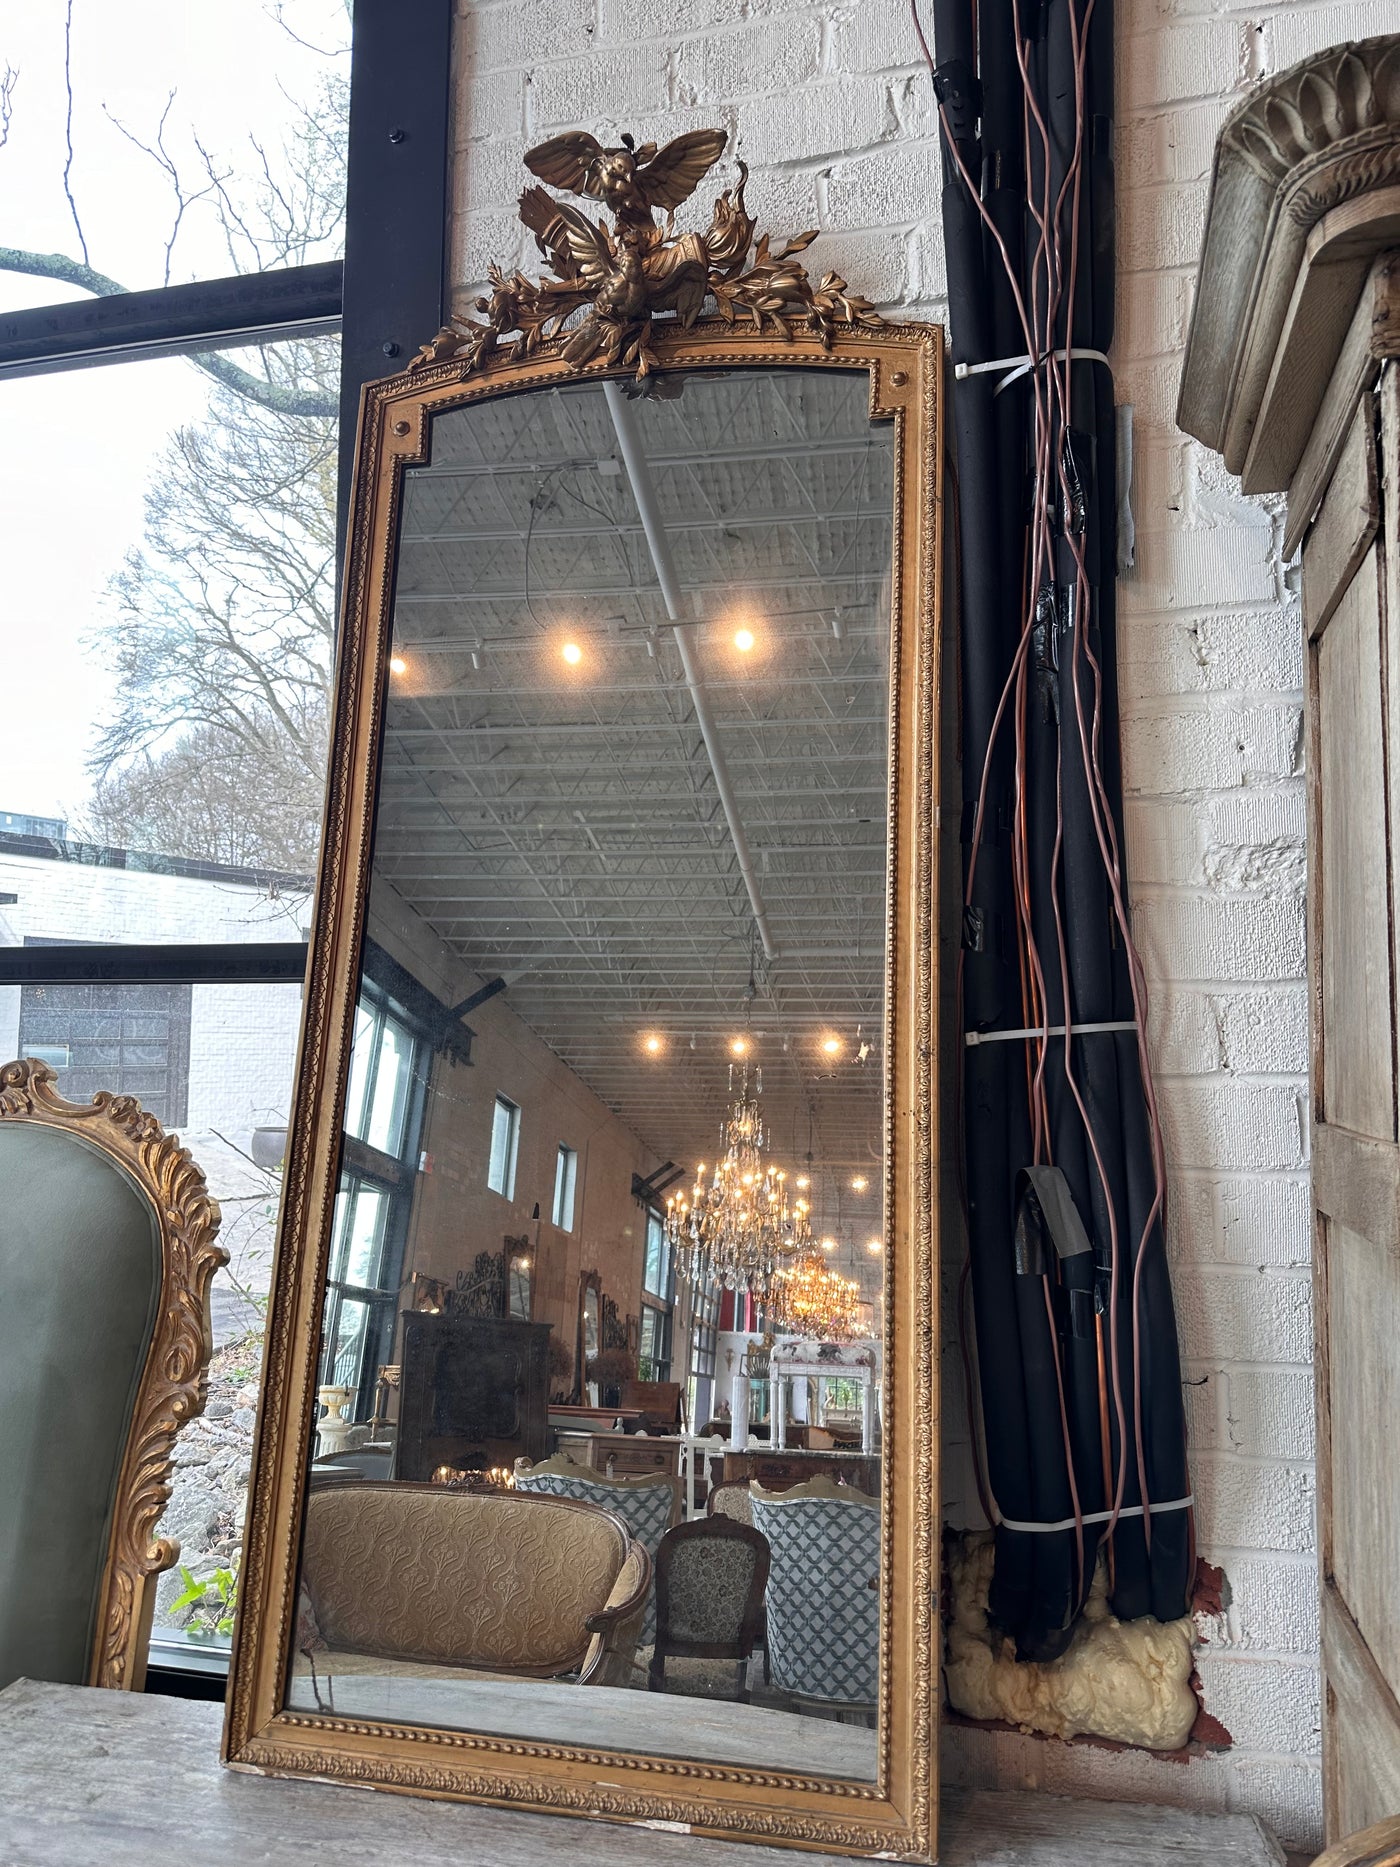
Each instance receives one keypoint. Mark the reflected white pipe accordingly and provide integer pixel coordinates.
(644, 492)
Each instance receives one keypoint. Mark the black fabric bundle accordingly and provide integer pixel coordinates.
(1057, 1427)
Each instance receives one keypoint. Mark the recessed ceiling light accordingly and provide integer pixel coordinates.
(572, 653)
(859, 1184)
(828, 1244)
(743, 640)
(832, 1046)
(874, 1244)
(397, 665)
(739, 1047)
(652, 1045)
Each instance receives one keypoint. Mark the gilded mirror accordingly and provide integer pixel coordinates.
(615, 1123)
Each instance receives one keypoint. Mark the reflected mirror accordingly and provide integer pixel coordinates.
(625, 1424)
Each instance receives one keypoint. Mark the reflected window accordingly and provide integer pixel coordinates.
(655, 1358)
(388, 1073)
(505, 1147)
(565, 1173)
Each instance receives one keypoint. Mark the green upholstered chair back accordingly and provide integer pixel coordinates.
(104, 1344)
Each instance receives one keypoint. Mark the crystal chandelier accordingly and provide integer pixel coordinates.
(733, 1226)
(807, 1298)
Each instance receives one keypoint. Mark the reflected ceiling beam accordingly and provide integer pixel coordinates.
(643, 491)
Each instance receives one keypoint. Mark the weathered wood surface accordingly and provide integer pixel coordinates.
(1372, 336)
(1346, 523)
(110, 1779)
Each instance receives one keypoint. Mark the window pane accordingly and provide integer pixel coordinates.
(208, 88)
(505, 1137)
(361, 1057)
(168, 614)
(565, 1170)
(236, 1077)
(390, 1096)
(364, 1234)
(346, 1351)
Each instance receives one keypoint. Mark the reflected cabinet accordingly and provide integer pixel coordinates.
(629, 883)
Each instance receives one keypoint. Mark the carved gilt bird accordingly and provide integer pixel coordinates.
(631, 182)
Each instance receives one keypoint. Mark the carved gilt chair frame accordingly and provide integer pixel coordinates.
(173, 1386)
(768, 317)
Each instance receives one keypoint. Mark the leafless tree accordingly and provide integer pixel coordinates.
(219, 625)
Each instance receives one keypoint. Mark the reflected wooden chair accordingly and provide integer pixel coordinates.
(107, 1250)
(710, 1578)
(730, 1499)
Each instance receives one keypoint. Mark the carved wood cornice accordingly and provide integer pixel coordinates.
(174, 1381)
(1282, 265)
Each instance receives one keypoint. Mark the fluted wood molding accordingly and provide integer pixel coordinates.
(1305, 192)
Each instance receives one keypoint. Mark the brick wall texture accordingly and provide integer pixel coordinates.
(828, 102)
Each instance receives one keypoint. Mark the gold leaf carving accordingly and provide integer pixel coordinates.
(622, 277)
(174, 1382)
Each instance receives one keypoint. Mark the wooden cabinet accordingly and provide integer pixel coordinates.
(621, 1455)
(475, 1393)
(779, 1471)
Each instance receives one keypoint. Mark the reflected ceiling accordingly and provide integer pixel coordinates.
(550, 805)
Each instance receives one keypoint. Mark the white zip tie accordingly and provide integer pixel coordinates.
(1055, 1030)
(1098, 1516)
(1022, 366)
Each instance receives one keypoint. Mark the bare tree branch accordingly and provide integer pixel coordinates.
(68, 129)
(166, 163)
(7, 107)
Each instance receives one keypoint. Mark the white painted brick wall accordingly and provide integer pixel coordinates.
(829, 104)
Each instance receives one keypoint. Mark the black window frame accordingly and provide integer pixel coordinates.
(387, 296)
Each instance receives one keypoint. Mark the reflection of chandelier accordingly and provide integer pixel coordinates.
(733, 1227)
(809, 1299)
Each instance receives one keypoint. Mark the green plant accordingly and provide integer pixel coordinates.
(214, 1599)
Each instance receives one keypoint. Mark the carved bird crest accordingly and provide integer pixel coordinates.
(631, 182)
(610, 282)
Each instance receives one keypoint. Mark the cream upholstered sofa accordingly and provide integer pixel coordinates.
(423, 1580)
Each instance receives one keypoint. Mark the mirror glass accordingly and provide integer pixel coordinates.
(600, 1454)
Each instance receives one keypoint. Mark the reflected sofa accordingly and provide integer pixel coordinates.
(423, 1580)
(648, 1504)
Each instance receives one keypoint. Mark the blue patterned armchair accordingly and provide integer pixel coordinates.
(823, 1602)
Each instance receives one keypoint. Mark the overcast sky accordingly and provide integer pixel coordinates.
(78, 449)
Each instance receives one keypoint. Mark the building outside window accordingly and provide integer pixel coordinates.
(565, 1175)
(505, 1147)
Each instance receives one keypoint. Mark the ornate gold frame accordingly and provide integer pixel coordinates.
(174, 1382)
(894, 1817)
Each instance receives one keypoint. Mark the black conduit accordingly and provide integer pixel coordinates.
(1076, 1349)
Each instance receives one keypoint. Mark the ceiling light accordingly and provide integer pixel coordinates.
(831, 1046)
(522, 1264)
(874, 1245)
(743, 640)
(802, 1181)
(397, 665)
(828, 1244)
(653, 1045)
(859, 1184)
(739, 1047)
(572, 653)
